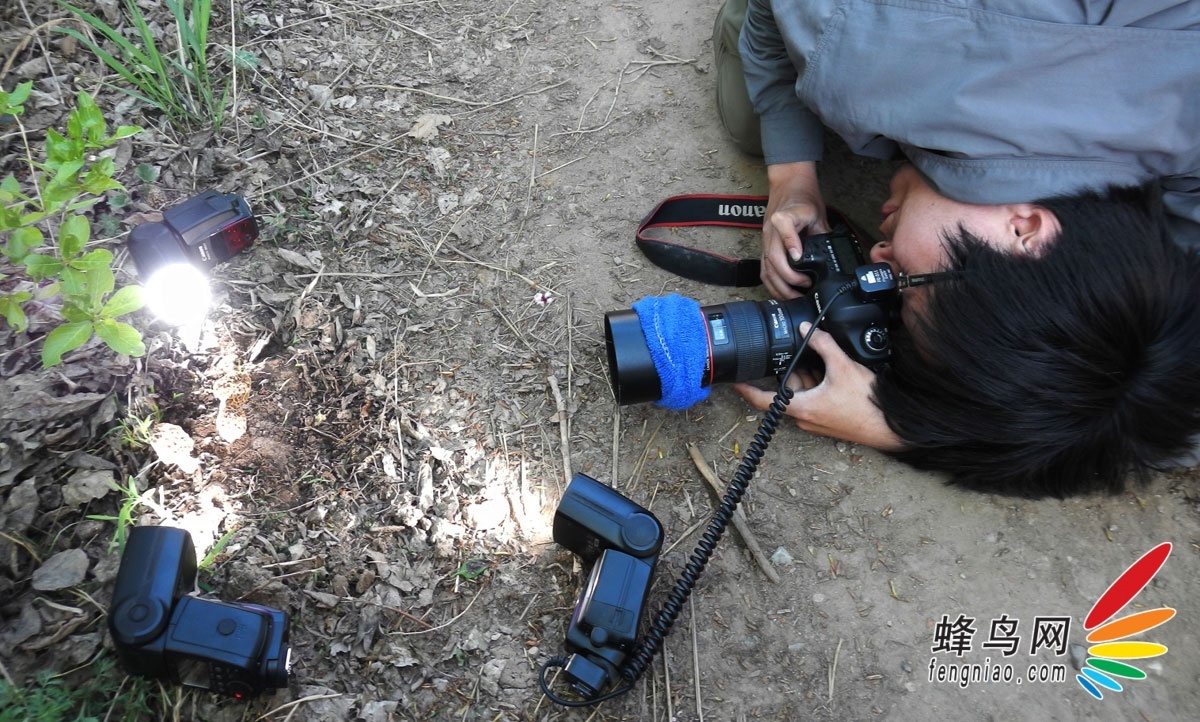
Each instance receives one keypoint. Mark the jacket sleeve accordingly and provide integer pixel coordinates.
(1181, 198)
(790, 131)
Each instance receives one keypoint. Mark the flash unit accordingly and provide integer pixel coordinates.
(172, 256)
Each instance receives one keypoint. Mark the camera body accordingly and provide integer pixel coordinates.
(161, 631)
(749, 340)
(621, 540)
(205, 230)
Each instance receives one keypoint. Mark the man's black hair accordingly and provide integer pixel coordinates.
(1059, 374)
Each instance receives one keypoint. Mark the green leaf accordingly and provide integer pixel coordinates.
(73, 236)
(146, 172)
(60, 149)
(127, 299)
(11, 103)
(75, 313)
(91, 120)
(10, 308)
(74, 282)
(124, 131)
(99, 179)
(10, 189)
(21, 242)
(100, 284)
(121, 337)
(40, 266)
(64, 339)
(245, 60)
(92, 261)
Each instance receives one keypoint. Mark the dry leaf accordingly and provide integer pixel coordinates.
(427, 126)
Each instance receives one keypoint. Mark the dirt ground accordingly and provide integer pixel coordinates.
(448, 194)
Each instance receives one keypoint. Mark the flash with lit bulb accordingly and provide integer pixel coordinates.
(174, 255)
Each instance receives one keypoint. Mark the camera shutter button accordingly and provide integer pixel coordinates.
(226, 627)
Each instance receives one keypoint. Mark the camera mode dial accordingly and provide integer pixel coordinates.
(875, 339)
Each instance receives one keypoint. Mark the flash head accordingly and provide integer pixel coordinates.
(160, 630)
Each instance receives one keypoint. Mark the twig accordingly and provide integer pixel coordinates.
(641, 462)
(667, 684)
(25, 40)
(463, 101)
(326, 169)
(296, 703)
(833, 671)
(616, 443)
(443, 625)
(696, 659)
(739, 519)
(502, 269)
(563, 427)
(685, 535)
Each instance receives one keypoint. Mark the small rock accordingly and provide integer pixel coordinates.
(64, 569)
(781, 557)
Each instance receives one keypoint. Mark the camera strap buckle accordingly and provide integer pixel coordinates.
(702, 209)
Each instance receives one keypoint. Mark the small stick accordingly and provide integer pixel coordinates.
(667, 684)
(695, 659)
(833, 670)
(616, 443)
(739, 519)
(562, 428)
(296, 703)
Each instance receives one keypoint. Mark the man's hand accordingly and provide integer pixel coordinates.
(837, 405)
(794, 207)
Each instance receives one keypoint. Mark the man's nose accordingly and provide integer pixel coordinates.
(881, 252)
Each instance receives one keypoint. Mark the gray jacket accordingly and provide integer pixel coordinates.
(995, 101)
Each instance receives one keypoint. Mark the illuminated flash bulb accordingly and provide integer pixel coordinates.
(173, 256)
(178, 294)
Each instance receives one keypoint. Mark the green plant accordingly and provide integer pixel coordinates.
(178, 81)
(103, 693)
(213, 553)
(136, 431)
(69, 179)
(131, 499)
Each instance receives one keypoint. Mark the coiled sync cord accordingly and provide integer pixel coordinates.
(650, 644)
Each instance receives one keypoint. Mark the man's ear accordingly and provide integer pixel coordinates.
(1033, 229)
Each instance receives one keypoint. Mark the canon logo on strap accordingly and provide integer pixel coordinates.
(740, 211)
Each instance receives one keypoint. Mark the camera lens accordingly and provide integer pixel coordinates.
(747, 340)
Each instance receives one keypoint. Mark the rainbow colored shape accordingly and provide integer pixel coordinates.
(1107, 637)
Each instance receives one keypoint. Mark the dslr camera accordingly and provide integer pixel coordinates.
(161, 631)
(621, 541)
(750, 340)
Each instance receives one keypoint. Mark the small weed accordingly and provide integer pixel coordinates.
(177, 80)
(125, 518)
(472, 569)
(102, 692)
(136, 431)
(213, 553)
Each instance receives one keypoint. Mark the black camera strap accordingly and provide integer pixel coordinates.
(702, 209)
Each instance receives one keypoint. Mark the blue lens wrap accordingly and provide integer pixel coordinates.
(678, 343)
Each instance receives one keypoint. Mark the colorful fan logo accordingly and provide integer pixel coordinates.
(1111, 647)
